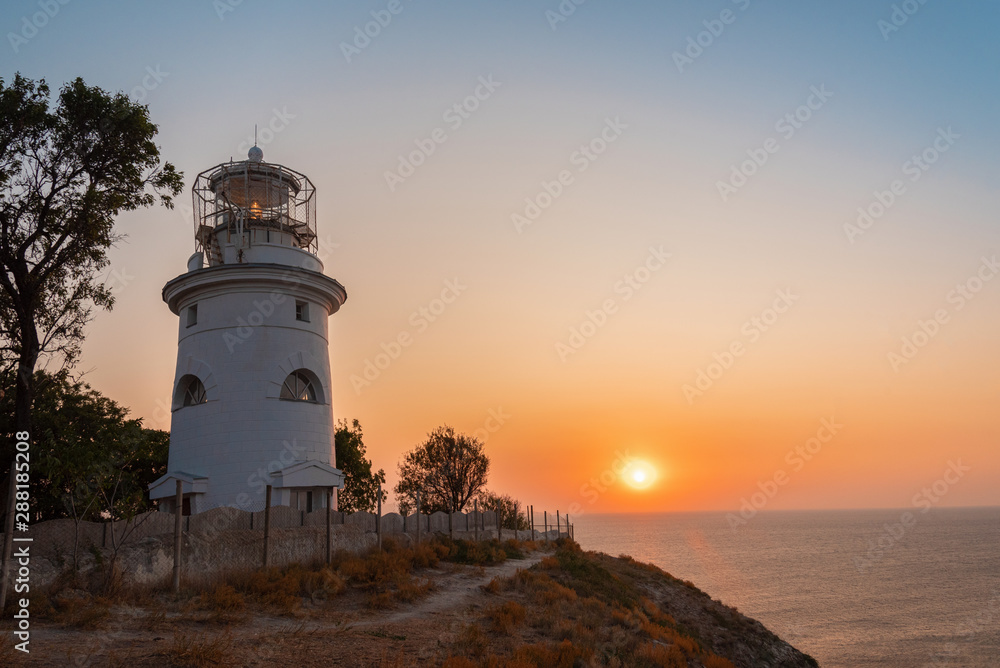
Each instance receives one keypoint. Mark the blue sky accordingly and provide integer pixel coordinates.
(347, 123)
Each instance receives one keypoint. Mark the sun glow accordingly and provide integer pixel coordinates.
(639, 474)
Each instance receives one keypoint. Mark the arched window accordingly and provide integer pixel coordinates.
(298, 387)
(194, 392)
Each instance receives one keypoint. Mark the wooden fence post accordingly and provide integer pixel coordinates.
(557, 525)
(451, 527)
(267, 522)
(475, 505)
(179, 508)
(378, 519)
(418, 517)
(329, 527)
(545, 516)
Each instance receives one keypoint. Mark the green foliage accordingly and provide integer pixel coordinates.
(66, 173)
(448, 470)
(89, 460)
(509, 508)
(361, 486)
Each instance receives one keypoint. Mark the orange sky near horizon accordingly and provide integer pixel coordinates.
(596, 254)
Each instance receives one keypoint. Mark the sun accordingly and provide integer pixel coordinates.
(638, 474)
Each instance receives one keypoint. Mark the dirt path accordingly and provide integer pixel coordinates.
(454, 592)
(350, 635)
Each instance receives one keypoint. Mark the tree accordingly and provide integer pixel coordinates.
(65, 174)
(509, 508)
(361, 486)
(448, 470)
(89, 460)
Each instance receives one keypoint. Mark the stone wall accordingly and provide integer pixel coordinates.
(225, 538)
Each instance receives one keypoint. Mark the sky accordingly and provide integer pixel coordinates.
(746, 246)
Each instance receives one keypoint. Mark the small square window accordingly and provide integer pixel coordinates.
(302, 311)
(192, 315)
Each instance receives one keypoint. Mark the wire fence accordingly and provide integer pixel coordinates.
(159, 547)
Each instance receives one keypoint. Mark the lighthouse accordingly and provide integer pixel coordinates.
(251, 398)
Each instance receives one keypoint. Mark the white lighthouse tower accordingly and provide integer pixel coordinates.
(251, 396)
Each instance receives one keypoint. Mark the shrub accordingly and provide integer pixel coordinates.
(84, 613)
(507, 617)
(201, 651)
(472, 641)
(548, 563)
(563, 655)
(409, 589)
(477, 553)
(513, 549)
(493, 587)
(224, 599)
(669, 656)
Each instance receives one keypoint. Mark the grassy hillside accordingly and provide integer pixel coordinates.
(580, 608)
(458, 604)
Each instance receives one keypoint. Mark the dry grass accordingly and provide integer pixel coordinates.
(492, 587)
(507, 617)
(8, 655)
(411, 589)
(572, 609)
(201, 651)
(80, 612)
(384, 578)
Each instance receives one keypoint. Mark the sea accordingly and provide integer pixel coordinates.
(904, 588)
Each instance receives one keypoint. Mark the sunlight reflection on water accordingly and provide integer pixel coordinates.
(929, 595)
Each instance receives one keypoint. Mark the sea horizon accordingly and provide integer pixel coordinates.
(836, 583)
